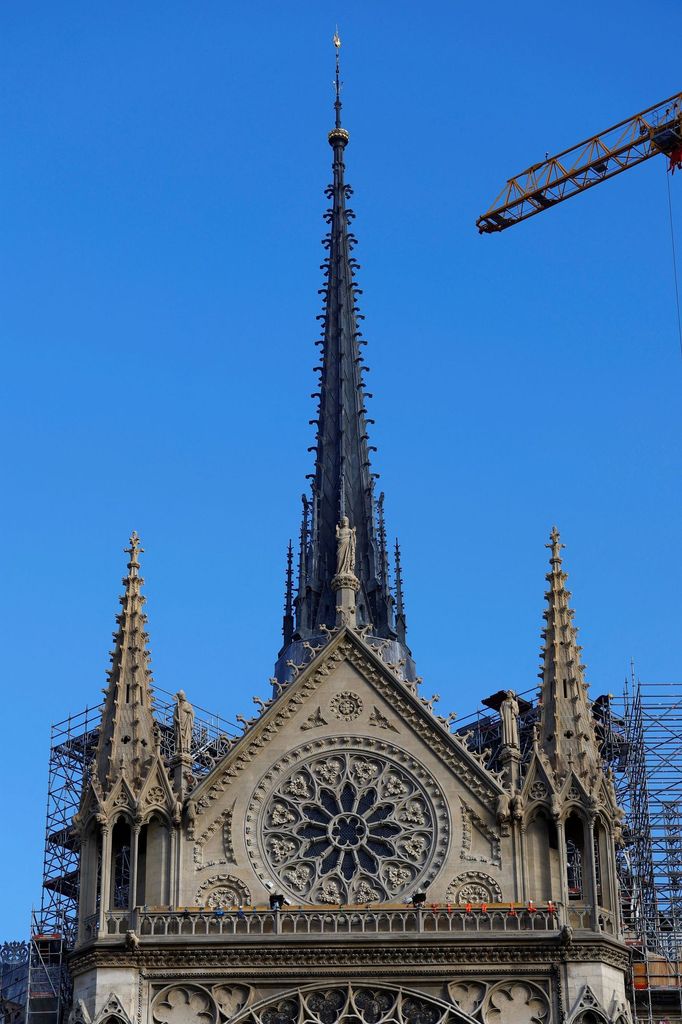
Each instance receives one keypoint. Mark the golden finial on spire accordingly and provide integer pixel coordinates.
(338, 135)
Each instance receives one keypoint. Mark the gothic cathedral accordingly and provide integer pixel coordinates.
(352, 856)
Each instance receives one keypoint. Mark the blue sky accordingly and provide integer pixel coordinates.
(162, 197)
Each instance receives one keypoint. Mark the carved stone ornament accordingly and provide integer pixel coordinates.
(156, 795)
(79, 1013)
(448, 748)
(14, 953)
(222, 823)
(473, 825)
(231, 999)
(588, 1009)
(314, 721)
(516, 1002)
(538, 790)
(370, 1004)
(184, 1004)
(222, 891)
(112, 1012)
(467, 995)
(381, 721)
(473, 887)
(347, 821)
(346, 706)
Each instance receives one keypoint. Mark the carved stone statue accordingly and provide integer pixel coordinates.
(517, 807)
(556, 806)
(504, 811)
(509, 713)
(345, 548)
(183, 721)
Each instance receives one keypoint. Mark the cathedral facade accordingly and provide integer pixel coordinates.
(350, 856)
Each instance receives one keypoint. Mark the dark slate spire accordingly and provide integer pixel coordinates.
(400, 620)
(288, 618)
(343, 482)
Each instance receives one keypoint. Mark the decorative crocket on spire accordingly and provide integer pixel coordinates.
(127, 741)
(343, 484)
(566, 730)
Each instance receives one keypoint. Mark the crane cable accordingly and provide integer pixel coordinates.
(672, 242)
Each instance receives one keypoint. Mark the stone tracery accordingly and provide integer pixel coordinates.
(351, 825)
(362, 1005)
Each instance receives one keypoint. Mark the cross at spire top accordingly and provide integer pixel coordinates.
(337, 80)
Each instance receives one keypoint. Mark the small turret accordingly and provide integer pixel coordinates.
(566, 730)
(127, 739)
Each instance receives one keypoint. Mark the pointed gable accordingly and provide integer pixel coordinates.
(402, 708)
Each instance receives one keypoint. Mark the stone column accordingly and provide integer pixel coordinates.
(563, 865)
(346, 587)
(173, 867)
(593, 872)
(134, 847)
(521, 873)
(105, 878)
(84, 903)
(613, 882)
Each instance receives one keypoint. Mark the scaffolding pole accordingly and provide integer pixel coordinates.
(73, 744)
(650, 792)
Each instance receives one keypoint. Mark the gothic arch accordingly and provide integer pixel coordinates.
(361, 1003)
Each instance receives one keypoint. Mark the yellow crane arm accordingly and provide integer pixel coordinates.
(655, 130)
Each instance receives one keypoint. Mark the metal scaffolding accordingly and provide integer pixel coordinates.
(72, 748)
(640, 734)
(651, 859)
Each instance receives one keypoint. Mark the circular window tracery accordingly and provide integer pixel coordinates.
(349, 825)
(363, 1005)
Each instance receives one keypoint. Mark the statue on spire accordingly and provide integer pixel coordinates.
(345, 548)
(183, 722)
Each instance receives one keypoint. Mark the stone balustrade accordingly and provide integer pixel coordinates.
(151, 924)
(155, 924)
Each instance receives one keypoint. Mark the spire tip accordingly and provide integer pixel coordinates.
(338, 135)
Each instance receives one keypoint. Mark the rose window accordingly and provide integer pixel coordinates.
(351, 826)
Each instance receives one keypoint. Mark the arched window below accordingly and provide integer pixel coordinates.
(576, 866)
(543, 859)
(120, 866)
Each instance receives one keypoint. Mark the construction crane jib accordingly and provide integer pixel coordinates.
(655, 130)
